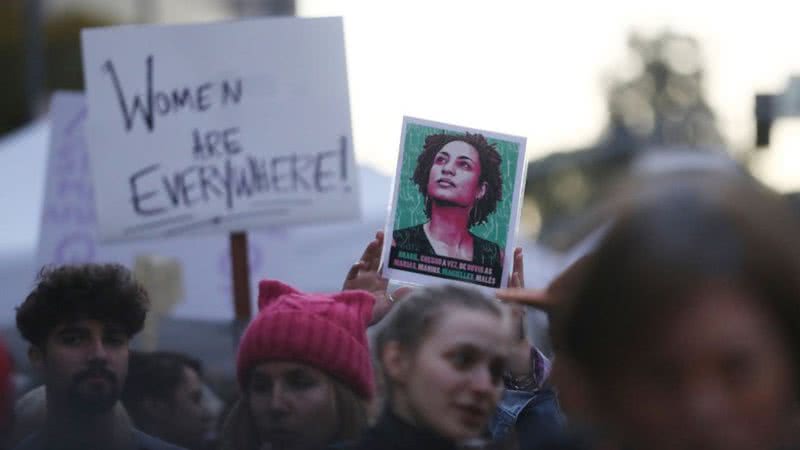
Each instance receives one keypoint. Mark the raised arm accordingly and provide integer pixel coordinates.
(365, 274)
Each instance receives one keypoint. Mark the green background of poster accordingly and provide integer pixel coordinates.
(410, 208)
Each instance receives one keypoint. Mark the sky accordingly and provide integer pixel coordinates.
(536, 69)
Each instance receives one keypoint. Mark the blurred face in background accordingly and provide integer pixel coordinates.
(452, 382)
(715, 374)
(293, 406)
(188, 417)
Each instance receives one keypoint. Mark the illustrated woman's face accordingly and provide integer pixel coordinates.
(453, 381)
(455, 175)
(293, 405)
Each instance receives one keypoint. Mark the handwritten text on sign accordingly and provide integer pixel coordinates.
(186, 135)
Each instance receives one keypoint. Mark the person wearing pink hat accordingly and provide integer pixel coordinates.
(304, 371)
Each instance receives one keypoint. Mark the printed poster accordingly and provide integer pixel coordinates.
(455, 205)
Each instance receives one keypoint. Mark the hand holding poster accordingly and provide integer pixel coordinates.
(221, 126)
(455, 205)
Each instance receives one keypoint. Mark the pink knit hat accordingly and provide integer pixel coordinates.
(327, 332)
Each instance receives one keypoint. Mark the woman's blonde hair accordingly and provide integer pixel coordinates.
(413, 319)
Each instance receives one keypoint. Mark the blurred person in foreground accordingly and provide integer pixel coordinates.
(304, 371)
(79, 320)
(682, 330)
(164, 396)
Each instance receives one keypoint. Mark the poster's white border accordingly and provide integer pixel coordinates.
(513, 224)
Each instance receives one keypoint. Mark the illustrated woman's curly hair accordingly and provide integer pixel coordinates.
(490, 171)
(103, 292)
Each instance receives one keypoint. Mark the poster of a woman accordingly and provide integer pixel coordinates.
(455, 205)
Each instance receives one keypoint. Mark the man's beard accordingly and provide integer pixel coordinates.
(87, 398)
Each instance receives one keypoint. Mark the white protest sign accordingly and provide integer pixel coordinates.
(227, 126)
(68, 232)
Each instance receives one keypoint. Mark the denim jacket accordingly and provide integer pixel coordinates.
(137, 441)
(534, 415)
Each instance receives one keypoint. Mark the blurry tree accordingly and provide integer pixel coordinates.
(661, 105)
(62, 55)
(12, 102)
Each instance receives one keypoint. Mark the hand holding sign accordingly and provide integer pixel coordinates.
(549, 298)
(520, 358)
(365, 275)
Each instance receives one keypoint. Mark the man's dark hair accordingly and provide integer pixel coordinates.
(490, 171)
(103, 292)
(155, 375)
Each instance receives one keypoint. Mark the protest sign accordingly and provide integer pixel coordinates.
(68, 231)
(226, 126)
(455, 205)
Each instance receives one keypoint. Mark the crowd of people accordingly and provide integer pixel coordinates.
(680, 329)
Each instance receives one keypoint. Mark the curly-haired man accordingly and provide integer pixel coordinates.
(78, 321)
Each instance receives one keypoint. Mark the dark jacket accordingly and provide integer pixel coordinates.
(413, 239)
(138, 441)
(411, 244)
(391, 433)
